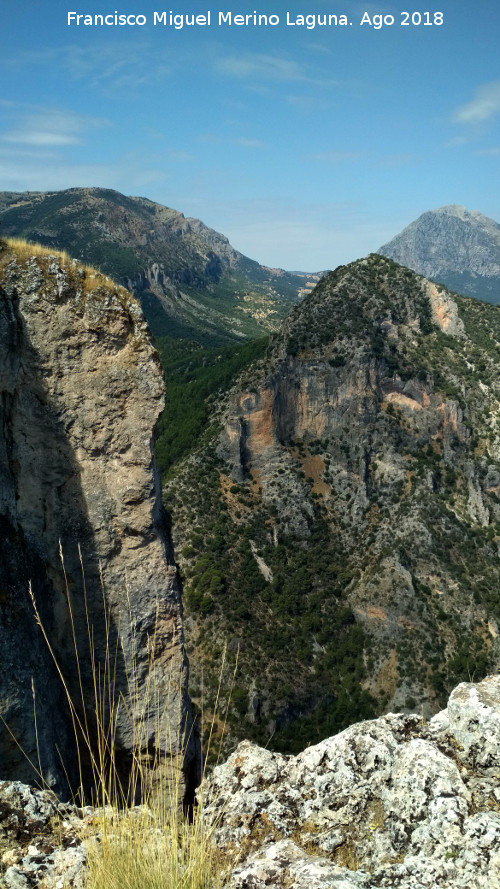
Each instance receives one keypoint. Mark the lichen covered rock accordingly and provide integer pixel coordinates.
(392, 802)
(40, 840)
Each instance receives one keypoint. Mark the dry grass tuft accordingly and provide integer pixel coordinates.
(139, 837)
(25, 249)
(85, 278)
(143, 849)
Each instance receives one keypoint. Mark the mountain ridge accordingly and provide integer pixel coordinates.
(190, 280)
(346, 524)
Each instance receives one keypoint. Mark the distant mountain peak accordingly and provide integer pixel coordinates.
(452, 210)
(460, 212)
(455, 246)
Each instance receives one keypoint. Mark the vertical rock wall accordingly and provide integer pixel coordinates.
(80, 391)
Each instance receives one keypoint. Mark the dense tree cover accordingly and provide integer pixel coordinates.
(194, 375)
(298, 626)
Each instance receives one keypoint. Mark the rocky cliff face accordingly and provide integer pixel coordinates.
(189, 278)
(458, 247)
(345, 529)
(81, 389)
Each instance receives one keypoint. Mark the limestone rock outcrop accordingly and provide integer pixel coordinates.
(393, 802)
(343, 526)
(80, 391)
(40, 839)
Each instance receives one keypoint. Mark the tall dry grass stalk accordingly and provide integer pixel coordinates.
(137, 836)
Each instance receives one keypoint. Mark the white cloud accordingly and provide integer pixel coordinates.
(243, 141)
(40, 137)
(251, 66)
(48, 127)
(484, 105)
(309, 104)
(127, 66)
(9, 154)
(120, 67)
(248, 143)
(336, 157)
(182, 157)
(456, 142)
(51, 173)
(319, 47)
(260, 65)
(490, 152)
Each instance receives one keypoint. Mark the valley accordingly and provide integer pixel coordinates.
(190, 281)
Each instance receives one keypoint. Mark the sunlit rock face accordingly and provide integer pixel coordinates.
(458, 247)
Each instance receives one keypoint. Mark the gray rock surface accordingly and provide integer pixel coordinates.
(80, 391)
(392, 802)
(458, 247)
(40, 840)
(474, 722)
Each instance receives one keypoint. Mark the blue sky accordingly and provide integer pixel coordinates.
(306, 147)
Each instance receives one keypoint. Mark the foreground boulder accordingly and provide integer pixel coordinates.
(392, 802)
(81, 389)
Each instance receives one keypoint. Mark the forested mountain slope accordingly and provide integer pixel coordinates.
(190, 280)
(341, 527)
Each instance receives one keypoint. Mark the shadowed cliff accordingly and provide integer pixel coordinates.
(81, 389)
